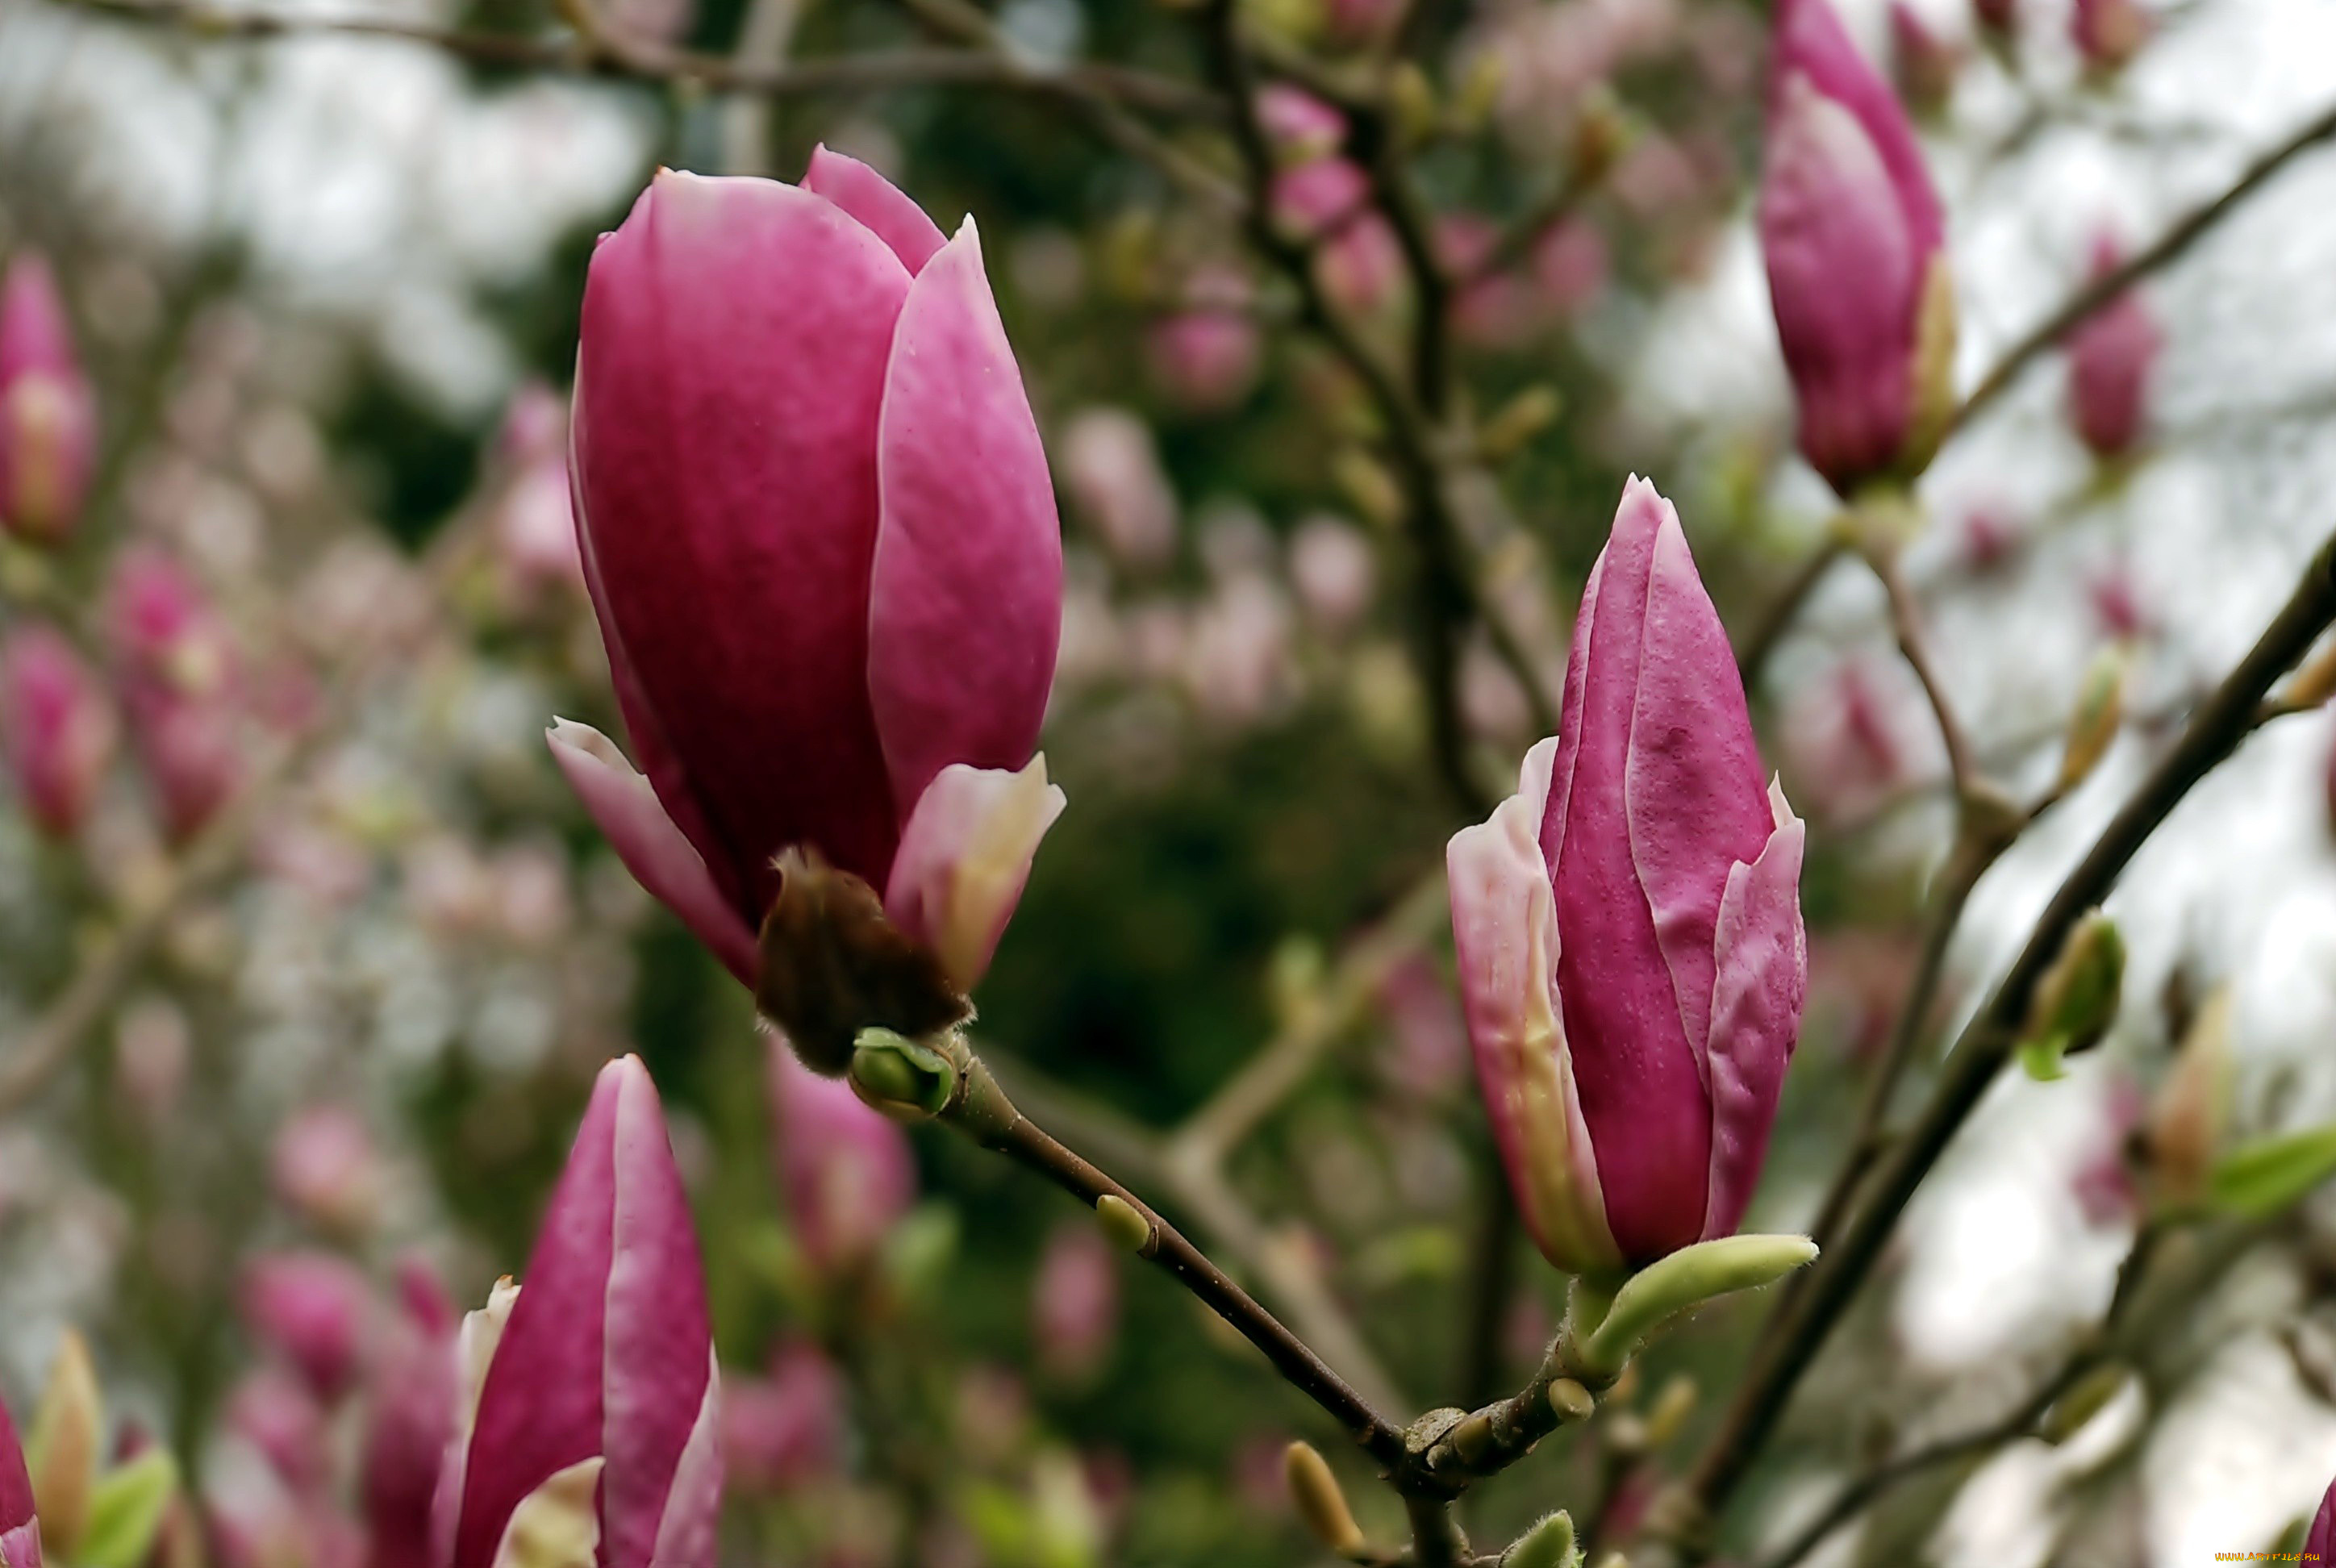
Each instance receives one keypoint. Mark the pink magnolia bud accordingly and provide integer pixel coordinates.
(1627, 927)
(56, 725)
(2320, 1541)
(2110, 357)
(1206, 355)
(1111, 467)
(409, 1426)
(176, 667)
(1493, 309)
(325, 1167)
(1334, 572)
(844, 1168)
(1327, 202)
(595, 1416)
(311, 1308)
(1570, 265)
(48, 419)
(1074, 1301)
(1923, 62)
(2108, 33)
(784, 1430)
(277, 1414)
(1300, 126)
(20, 1532)
(534, 526)
(1857, 268)
(802, 445)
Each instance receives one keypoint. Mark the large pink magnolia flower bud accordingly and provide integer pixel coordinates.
(176, 667)
(56, 725)
(1627, 926)
(821, 537)
(1857, 265)
(2110, 359)
(593, 1431)
(2320, 1542)
(20, 1532)
(48, 419)
(844, 1168)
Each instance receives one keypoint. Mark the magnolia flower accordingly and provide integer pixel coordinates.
(312, 1309)
(590, 1433)
(1857, 265)
(1627, 927)
(820, 536)
(178, 676)
(48, 419)
(2111, 356)
(56, 728)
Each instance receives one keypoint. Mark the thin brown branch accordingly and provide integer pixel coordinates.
(1769, 633)
(2167, 248)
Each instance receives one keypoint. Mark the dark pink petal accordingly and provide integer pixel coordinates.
(883, 207)
(18, 1529)
(541, 1406)
(48, 416)
(735, 339)
(1756, 1012)
(656, 1375)
(1697, 807)
(55, 726)
(1638, 1073)
(968, 596)
(693, 1503)
(2110, 359)
(2322, 1541)
(666, 864)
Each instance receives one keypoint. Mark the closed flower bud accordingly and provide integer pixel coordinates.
(593, 1436)
(2108, 33)
(20, 1530)
(310, 1308)
(66, 1443)
(56, 727)
(1857, 264)
(1205, 356)
(1321, 1502)
(844, 1169)
(2111, 357)
(48, 419)
(177, 672)
(408, 1426)
(2191, 1107)
(820, 536)
(1074, 1301)
(1627, 926)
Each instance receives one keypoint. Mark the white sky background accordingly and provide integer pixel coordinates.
(372, 184)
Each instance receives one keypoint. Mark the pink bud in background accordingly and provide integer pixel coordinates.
(1991, 533)
(176, 670)
(1570, 265)
(1111, 467)
(1075, 1302)
(782, 1431)
(2103, 1183)
(1924, 64)
(1858, 267)
(1205, 356)
(1997, 16)
(1238, 662)
(1491, 308)
(279, 1415)
(2111, 356)
(595, 1418)
(48, 418)
(844, 1168)
(409, 1424)
(327, 1168)
(1334, 572)
(534, 525)
(310, 1308)
(2320, 1541)
(1300, 126)
(1431, 1039)
(1627, 927)
(2118, 603)
(2108, 33)
(1327, 202)
(56, 725)
(801, 444)
(20, 1531)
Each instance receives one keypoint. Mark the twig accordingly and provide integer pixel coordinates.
(1769, 632)
(2168, 247)
(2229, 715)
(1906, 624)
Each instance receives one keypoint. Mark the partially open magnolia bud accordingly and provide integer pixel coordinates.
(1320, 1502)
(833, 965)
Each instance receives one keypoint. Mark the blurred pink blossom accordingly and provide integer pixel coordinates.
(176, 673)
(1334, 572)
(1205, 355)
(1110, 465)
(785, 1429)
(844, 1169)
(312, 1309)
(57, 728)
(328, 1169)
(1074, 1301)
(2111, 357)
(48, 417)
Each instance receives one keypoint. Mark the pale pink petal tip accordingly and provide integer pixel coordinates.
(881, 205)
(964, 858)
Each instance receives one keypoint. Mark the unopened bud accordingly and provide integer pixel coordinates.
(2093, 723)
(1685, 1279)
(2077, 1001)
(2073, 1410)
(1522, 418)
(900, 1077)
(1571, 1400)
(1320, 1502)
(2192, 1106)
(1123, 1223)
(63, 1451)
(1472, 1440)
(1548, 1545)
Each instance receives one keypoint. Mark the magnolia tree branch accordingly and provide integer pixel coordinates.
(1987, 1043)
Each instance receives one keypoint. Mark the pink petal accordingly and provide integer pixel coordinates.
(16, 1494)
(2322, 1541)
(877, 202)
(967, 593)
(965, 857)
(693, 1506)
(1810, 43)
(844, 1168)
(1697, 805)
(1762, 978)
(661, 860)
(1505, 935)
(735, 334)
(656, 1373)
